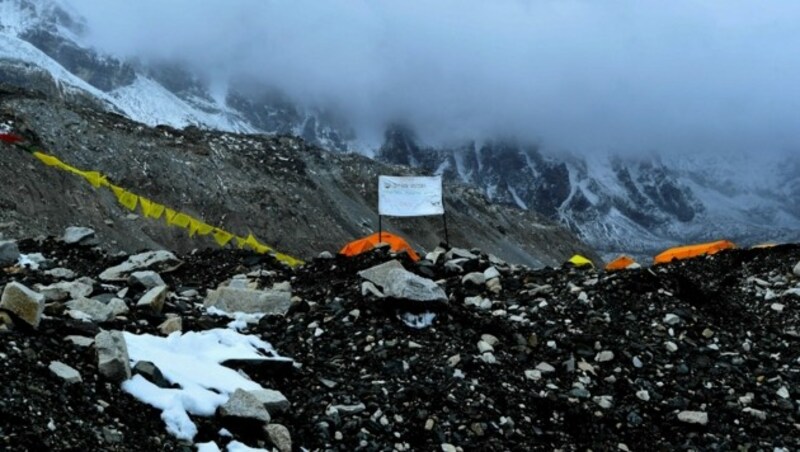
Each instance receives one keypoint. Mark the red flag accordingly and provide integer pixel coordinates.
(10, 138)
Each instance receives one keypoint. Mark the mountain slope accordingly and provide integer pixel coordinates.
(293, 196)
(617, 204)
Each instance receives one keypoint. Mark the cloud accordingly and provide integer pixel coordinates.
(614, 75)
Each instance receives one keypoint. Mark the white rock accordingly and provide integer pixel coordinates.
(533, 375)
(491, 273)
(758, 414)
(489, 339)
(447, 447)
(778, 307)
(489, 358)
(397, 282)
(475, 278)
(545, 368)
(65, 372)
(783, 392)
(161, 260)
(672, 319)
(604, 356)
(671, 346)
(693, 417)
(643, 395)
(637, 363)
(604, 401)
(484, 347)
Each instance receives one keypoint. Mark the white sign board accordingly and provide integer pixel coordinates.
(410, 196)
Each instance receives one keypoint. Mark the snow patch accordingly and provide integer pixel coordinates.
(418, 321)
(192, 361)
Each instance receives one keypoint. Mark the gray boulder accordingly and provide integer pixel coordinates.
(244, 404)
(79, 235)
(280, 437)
(475, 278)
(399, 283)
(65, 372)
(81, 287)
(151, 373)
(153, 299)
(118, 307)
(112, 356)
(250, 301)
(274, 401)
(147, 278)
(27, 304)
(60, 273)
(9, 253)
(160, 261)
(98, 311)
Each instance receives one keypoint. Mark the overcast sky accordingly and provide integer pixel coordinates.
(581, 75)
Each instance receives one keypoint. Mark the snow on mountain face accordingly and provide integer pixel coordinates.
(633, 205)
(616, 204)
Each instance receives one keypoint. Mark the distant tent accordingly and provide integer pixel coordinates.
(396, 243)
(579, 261)
(621, 263)
(690, 251)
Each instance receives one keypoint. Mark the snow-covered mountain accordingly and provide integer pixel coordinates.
(628, 204)
(617, 204)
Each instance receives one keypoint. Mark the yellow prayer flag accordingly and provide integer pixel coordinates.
(222, 237)
(203, 228)
(126, 198)
(180, 220)
(169, 214)
(150, 209)
(95, 178)
(48, 160)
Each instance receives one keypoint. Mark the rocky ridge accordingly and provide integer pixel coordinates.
(698, 354)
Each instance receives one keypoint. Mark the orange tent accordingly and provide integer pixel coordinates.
(690, 251)
(620, 263)
(396, 243)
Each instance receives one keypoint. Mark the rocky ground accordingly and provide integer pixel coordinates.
(696, 355)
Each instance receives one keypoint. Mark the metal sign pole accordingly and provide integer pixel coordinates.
(380, 229)
(446, 237)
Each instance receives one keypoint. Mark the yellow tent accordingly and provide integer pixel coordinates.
(579, 261)
(690, 251)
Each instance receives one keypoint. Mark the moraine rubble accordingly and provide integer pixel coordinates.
(379, 353)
